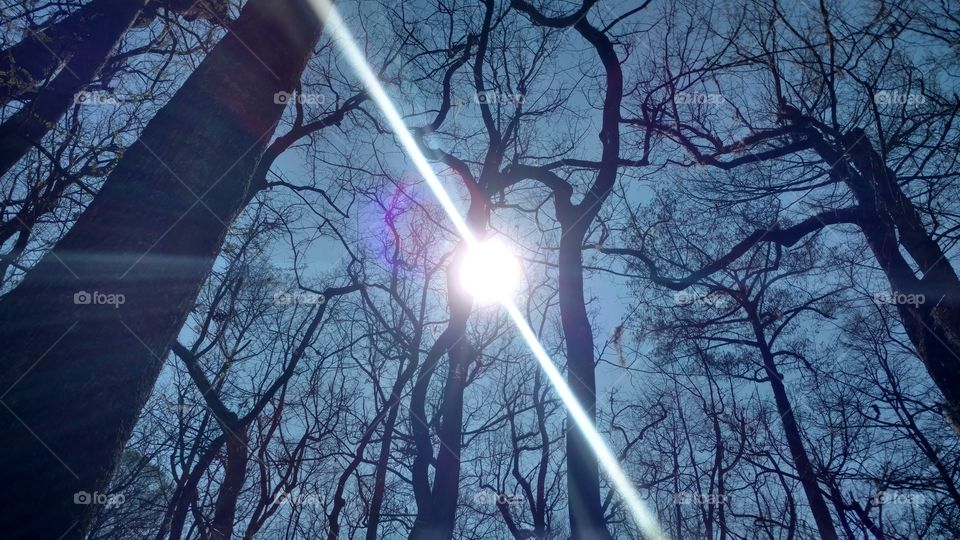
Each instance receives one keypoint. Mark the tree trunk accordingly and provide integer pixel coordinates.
(791, 430)
(76, 372)
(435, 512)
(583, 472)
(176, 515)
(933, 326)
(40, 53)
(420, 432)
(234, 474)
(446, 480)
(29, 125)
(380, 476)
(437, 506)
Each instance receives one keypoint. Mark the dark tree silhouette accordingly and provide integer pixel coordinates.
(151, 235)
(737, 224)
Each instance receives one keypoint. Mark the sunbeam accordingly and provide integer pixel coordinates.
(336, 27)
(490, 272)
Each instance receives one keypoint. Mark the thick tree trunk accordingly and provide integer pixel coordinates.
(75, 373)
(583, 472)
(31, 61)
(41, 52)
(933, 326)
(30, 124)
(436, 505)
(446, 480)
(234, 474)
(420, 432)
(791, 430)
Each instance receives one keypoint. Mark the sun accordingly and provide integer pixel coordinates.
(489, 271)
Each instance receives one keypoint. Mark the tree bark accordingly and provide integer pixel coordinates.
(583, 472)
(25, 65)
(446, 480)
(234, 474)
(30, 124)
(791, 430)
(436, 505)
(75, 374)
(40, 53)
(420, 432)
(933, 326)
(380, 476)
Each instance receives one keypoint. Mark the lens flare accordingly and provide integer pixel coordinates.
(335, 26)
(489, 272)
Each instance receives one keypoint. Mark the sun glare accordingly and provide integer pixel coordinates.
(489, 271)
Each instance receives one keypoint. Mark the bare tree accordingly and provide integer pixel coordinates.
(110, 362)
(859, 127)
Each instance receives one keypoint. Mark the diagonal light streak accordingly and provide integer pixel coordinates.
(638, 510)
(335, 25)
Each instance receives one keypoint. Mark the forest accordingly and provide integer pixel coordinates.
(480, 269)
